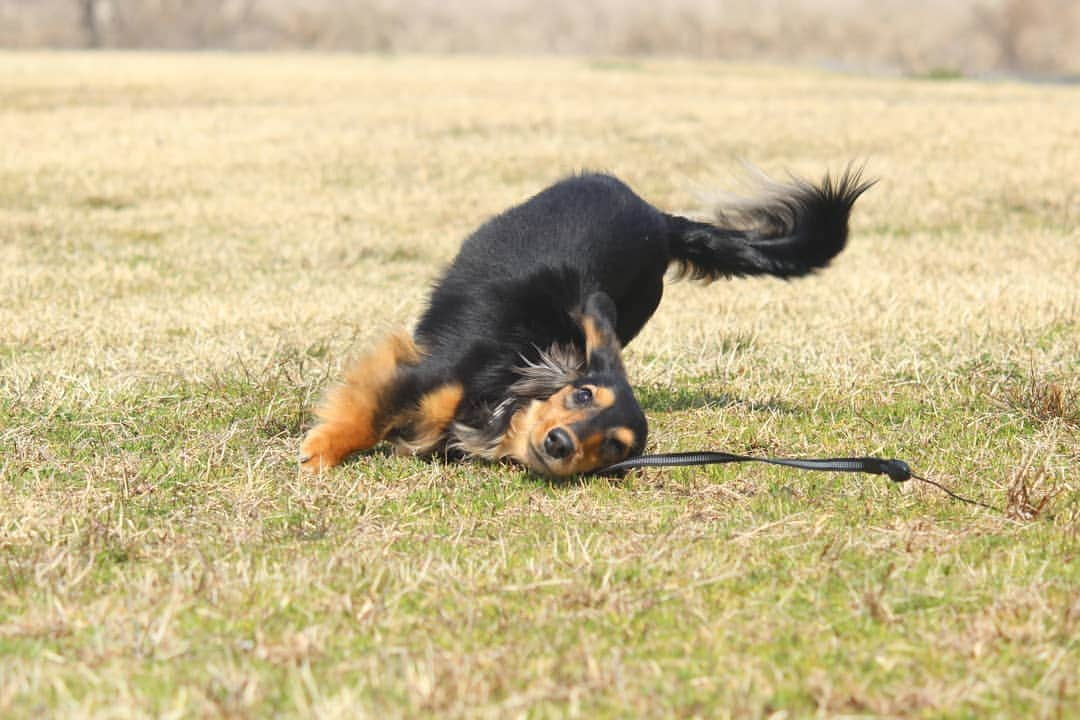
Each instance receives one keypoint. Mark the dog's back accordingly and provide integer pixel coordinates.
(592, 223)
(593, 232)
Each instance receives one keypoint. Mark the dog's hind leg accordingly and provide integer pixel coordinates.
(354, 414)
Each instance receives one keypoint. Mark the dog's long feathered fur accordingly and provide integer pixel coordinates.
(530, 317)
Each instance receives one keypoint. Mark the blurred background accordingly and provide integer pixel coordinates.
(1033, 38)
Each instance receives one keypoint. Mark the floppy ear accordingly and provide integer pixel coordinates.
(555, 367)
(602, 348)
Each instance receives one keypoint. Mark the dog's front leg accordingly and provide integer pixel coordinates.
(355, 414)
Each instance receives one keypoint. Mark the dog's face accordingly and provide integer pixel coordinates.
(589, 424)
(591, 421)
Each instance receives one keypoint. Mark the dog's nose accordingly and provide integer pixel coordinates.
(558, 444)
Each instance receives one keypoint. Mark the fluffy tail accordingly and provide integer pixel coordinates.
(791, 230)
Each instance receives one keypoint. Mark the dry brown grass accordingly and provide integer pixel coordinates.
(939, 37)
(191, 247)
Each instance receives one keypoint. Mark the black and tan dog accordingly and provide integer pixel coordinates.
(518, 353)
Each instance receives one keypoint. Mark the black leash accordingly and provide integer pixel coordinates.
(897, 470)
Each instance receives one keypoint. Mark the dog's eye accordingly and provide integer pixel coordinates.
(582, 396)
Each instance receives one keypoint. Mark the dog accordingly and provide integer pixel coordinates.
(518, 354)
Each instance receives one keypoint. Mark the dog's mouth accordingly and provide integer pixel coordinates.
(536, 460)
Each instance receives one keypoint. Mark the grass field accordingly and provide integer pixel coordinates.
(192, 246)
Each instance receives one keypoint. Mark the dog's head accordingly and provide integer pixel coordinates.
(593, 419)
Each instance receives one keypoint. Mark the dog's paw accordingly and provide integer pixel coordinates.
(319, 451)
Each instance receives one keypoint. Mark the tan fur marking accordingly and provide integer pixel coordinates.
(594, 337)
(625, 435)
(350, 412)
(603, 397)
(427, 424)
(597, 337)
(553, 413)
(589, 456)
(515, 442)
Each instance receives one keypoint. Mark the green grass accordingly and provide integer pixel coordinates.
(941, 74)
(195, 245)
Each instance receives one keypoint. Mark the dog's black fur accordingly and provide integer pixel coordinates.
(518, 352)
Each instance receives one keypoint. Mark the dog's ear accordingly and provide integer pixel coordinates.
(554, 368)
(603, 353)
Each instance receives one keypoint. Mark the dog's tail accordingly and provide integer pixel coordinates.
(792, 229)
